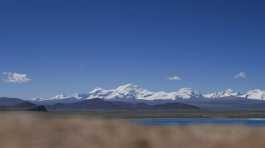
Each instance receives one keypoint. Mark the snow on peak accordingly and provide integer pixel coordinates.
(59, 96)
(96, 90)
(126, 92)
(255, 94)
(131, 91)
(38, 99)
(99, 93)
(223, 94)
(187, 93)
(230, 92)
(128, 87)
(63, 97)
(78, 96)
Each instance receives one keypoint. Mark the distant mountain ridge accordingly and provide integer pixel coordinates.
(133, 97)
(15, 104)
(105, 105)
(132, 93)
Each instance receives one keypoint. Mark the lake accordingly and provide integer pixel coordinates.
(198, 121)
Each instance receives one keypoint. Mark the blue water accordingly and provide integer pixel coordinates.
(199, 121)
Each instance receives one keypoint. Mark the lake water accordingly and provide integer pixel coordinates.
(199, 121)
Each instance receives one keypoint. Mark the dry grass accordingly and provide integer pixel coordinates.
(29, 131)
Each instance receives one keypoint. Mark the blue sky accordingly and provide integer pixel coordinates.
(74, 46)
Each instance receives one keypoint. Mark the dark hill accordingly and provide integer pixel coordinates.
(15, 104)
(100, 104)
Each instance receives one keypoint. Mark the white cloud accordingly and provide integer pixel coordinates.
(174, 78)
(13, 77)
(241, 75)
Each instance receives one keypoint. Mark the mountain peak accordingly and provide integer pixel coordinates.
(59, 96)
(187, 93)
(79, 96)
(255, 94)
(98, 89)
(230, 92)
(128, 87)
(223, 94)
(130, 91)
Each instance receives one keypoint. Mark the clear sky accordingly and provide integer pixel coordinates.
(77, 45)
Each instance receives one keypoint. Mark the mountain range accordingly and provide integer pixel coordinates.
(133, 97)
(134, 93)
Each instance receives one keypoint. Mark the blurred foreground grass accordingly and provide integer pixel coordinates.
(26, 130)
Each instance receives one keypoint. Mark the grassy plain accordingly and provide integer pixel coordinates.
(58, 130)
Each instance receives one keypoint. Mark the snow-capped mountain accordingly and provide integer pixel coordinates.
(254, 94)
(62, 97)
(130, 92)
(187, 93)
(125, 92)
(58, 97)
(223, 94)
(134, 92)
